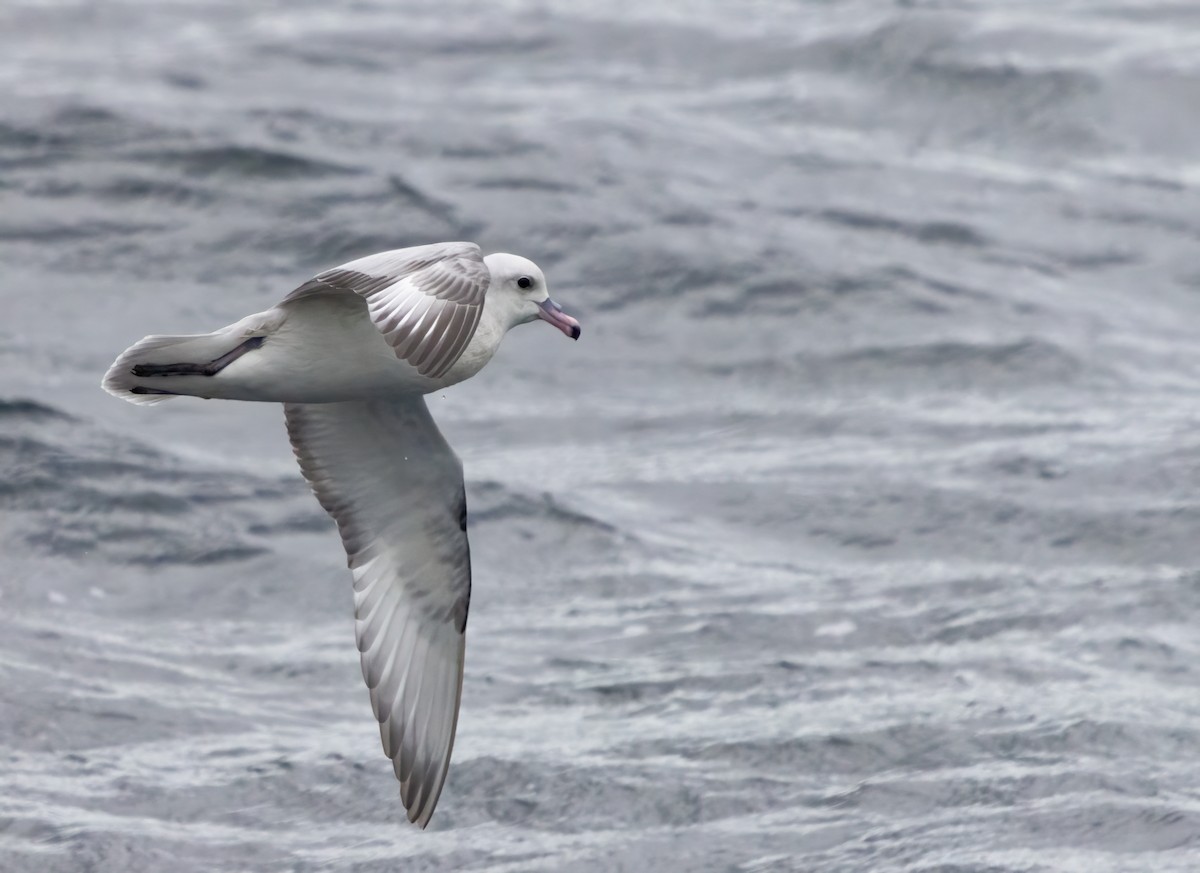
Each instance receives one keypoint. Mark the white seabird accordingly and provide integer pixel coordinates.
(350, 354)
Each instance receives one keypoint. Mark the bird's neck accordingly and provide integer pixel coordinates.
(494, 322)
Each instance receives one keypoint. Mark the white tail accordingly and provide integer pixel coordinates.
(158, 368)
(161, 367)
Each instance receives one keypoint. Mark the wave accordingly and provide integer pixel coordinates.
(959, 88)
(74, 491)
(929, 232)
(32, 410)
(937, 365)
(501, 503)
(243, 161)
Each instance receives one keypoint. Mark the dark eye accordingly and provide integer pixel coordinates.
(524, 282)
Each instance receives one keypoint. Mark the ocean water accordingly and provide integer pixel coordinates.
(860, 531)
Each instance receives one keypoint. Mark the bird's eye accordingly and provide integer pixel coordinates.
(524, 282)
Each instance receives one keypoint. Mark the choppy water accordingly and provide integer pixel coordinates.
(859, 533)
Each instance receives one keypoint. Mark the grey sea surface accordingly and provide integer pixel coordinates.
(860, 531)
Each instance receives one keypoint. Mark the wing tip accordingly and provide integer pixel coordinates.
(421, 816)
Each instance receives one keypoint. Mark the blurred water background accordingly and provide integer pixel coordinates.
(858, 533)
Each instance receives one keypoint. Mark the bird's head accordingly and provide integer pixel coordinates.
(518, 284)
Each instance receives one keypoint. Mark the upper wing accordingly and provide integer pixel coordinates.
(425, 300)
(395, 488)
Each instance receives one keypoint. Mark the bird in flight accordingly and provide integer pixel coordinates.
(350, 354)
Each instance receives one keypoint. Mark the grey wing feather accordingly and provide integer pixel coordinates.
(425, 300)
(384, 473)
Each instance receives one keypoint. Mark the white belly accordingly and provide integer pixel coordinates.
(324, 349)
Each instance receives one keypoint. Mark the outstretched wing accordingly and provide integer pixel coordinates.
(425, 300)
(385, 474)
